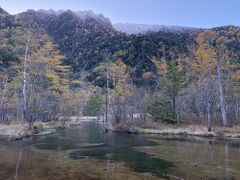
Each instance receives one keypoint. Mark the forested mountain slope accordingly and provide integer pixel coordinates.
(85, 41)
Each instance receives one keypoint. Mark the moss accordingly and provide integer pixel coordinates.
(220, 135)
(165, 133)
(52, 125)
(208, 135)
(29, 133)
(183, 133)
(132, 130)
(237, 136)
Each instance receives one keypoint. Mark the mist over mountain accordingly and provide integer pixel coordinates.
(83, 15)
(144, 28)
(123, 27)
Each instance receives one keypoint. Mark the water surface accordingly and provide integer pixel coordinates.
(89, 153)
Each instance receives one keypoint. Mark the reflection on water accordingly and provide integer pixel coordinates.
(90, 141)
(198, 158)
(88, 153)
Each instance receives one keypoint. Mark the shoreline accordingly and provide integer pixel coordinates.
(20, 131)
(190, 130)
(13, 132)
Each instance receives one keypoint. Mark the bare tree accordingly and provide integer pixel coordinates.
(24, 89)
(220, 87)
(107, 90)
(3, 98)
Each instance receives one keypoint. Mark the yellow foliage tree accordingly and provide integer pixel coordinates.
(118, 72)
(55, 70)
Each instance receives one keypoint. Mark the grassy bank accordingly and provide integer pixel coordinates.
(182, 130)
(18, 131)
(13, 131)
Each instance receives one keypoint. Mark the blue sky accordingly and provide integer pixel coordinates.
(192, 13)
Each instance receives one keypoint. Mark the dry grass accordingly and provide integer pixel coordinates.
(152, 127)
(16, 131)
(13, 131)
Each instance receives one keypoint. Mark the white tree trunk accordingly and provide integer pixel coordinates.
(107, 96)
(25, 78)
(209, 89)
(237, 109)
(209, 116)
(2, 99)
(4, 92)
(222, 102)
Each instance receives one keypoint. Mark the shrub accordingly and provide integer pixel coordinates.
(93, 106)
(161, 110)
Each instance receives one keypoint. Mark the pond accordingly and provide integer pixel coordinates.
(90, 153)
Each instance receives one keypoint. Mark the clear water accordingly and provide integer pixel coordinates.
(89, 153)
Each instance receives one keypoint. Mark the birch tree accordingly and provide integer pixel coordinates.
(208, 61)
(203, 68)
(24, 88)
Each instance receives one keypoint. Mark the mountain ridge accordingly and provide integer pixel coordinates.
(128, 28)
